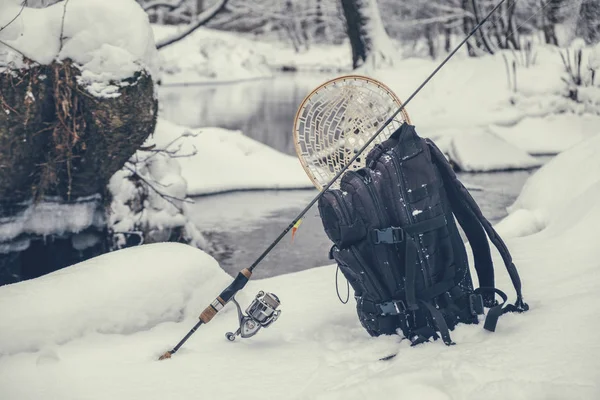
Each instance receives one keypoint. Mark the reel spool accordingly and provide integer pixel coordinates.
(336, 119)
(261, 313)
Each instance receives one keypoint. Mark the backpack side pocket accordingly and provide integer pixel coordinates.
(341, 224)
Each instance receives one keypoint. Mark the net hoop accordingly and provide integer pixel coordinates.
(337, 118)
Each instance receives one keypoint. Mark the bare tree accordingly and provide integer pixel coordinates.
(370, 43)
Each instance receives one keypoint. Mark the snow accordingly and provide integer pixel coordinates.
(551, 134)
(222, 160)
(117, 293)
(572, 174)
(207, 56)
(109, 39)
(484, 152)
(67, 327)
(50, 217)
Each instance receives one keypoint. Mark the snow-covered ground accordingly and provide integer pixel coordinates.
(222, 160)
(209, 56)
(95, 330)
(468, 96)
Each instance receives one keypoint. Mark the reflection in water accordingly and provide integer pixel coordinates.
(262, 109)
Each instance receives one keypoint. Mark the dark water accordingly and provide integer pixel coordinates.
(264, 109)
(242, 225)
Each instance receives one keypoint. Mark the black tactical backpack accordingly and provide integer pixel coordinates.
(396, 241)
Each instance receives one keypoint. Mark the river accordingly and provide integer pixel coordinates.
(243, 224)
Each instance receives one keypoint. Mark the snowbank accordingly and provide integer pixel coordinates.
(551, 134)
(50, 218)
(207, 55)
(117, 293)
(484, 152)
(93, 326)
(223, 160)
(109, 39)
(473, 93)
(89, 325)
(550, 192)
(318, 347)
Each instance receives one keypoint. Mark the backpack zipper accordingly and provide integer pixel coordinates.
(367, 272)
(383, 221)
(345, 213)
(426, 272)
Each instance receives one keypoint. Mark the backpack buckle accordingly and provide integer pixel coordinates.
(476, 304)
(389, 235)
(394, 307)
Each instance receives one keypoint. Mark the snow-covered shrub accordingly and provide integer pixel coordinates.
(581, 76)
(149, 199)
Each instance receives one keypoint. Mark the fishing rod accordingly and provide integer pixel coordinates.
(263, 310)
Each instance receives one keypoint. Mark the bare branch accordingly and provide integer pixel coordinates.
(62, 25)
(164, 4)
(16, 16)
(12, 48)
(165, 196)
(203, 18)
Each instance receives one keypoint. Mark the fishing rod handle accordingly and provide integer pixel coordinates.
(238, 284)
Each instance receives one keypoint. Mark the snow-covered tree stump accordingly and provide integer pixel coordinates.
(56, 139)
(77, 100)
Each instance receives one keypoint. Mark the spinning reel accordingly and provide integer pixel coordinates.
(261, 313)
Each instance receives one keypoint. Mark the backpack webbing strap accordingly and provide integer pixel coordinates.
(440, 322)
(466, 208)
(404, 235)
(495, 312)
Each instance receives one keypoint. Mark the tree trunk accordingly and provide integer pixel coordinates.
(588, 26)
(371, 45)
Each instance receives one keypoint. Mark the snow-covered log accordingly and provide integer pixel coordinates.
(371, 46)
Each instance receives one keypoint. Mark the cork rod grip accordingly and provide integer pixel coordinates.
(208, 314)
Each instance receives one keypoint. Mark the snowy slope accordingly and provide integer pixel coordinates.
(208, 55)
(106, 336)
(483, 152)
(551, 134)
(226, 160)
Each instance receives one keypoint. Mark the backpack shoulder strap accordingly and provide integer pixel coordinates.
(471, 218)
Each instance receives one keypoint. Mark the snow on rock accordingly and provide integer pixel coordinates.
(51, 218)
(109, 39)
(551, 190)
(551, 134)
(221, 160)
(209, 55)
(117, 293)
(479, 152)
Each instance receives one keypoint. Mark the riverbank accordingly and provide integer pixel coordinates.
(107, 342)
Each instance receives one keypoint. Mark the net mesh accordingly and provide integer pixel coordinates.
(337, 119)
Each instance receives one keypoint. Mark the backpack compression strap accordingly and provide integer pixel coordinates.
(470, 217)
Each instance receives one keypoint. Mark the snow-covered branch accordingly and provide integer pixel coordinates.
(203, 18)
